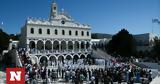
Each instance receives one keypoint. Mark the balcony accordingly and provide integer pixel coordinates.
(35, 51)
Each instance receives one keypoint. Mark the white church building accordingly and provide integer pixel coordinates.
(57, 39)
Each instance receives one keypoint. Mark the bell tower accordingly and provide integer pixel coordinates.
(54, 10)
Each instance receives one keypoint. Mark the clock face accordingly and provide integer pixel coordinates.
(63, 22)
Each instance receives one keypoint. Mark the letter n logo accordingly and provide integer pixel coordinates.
(15, 75)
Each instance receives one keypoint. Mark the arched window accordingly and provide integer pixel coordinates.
(54, 8)
(70, 32)
(48, 31)
(76, 33)
(63, 32)
(82, 33)
(40, 31)
(87, 33)
(56, 31)
(32, 31)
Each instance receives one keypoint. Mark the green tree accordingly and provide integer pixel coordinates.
(4, 40)
(94, 36)
(121, 44)
(14, 37)
(156, 49)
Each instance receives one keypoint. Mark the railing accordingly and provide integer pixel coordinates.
(18, 60)
(34, 51)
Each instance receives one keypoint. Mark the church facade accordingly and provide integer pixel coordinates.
(57, 38)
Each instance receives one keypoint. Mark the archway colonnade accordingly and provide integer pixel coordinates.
(55, 60)
(56, 45)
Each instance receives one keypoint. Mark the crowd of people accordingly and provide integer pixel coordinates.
(119, 72)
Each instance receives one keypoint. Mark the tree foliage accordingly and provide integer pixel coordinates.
(121, 44)
(94, 36)
(4, 39)
(156, 49)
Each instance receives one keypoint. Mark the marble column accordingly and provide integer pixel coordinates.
(85, 43)
(44, 47)
(52, 47)
(36, 48)
(73, 45)
(79, 46)
(67, 46)
(59, 45)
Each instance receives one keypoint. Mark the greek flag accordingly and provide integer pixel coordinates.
(156, 21)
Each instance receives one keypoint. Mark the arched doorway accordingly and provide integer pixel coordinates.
(52, 61)
(48, 45)
(75, 58)
(68, 60)
(82, 45)
(87, 45)
(68, 57)
(63, 45)
(31, 44)
(82, 56)
(70, 46)
(56, 45)
(76, 46)
(43, 61)
(40, 45)
(61, 59)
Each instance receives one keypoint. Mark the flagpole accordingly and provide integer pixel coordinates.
(152, 26)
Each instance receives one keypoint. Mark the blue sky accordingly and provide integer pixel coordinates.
(105, 16)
